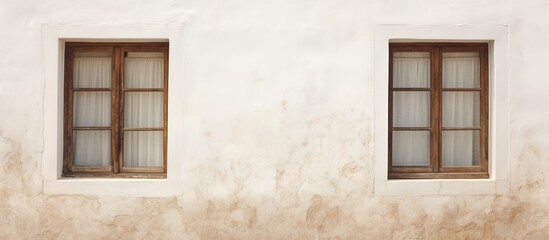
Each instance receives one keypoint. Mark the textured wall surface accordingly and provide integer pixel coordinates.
(278, 106)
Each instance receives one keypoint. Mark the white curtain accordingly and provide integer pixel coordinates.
(92, 109)
(411, 69)
(411, 148)
(460, 70)
(92, 148)
(460, 109)
(144, 70)
(411, 108)
(143, 109)
(143, 148)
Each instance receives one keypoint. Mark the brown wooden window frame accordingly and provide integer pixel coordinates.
(117, 169)
(435, 170)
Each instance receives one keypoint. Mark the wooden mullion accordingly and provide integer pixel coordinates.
(436, 98)
(120, 55)
(484, 108)
(115, 137)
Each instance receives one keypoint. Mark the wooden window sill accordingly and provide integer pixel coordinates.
(115, 175)
(404, 175)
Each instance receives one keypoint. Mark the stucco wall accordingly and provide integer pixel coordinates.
(278, 127)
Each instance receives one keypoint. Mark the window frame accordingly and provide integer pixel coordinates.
(435, 170)
(117, 90)
(54, 37)
(497, 37)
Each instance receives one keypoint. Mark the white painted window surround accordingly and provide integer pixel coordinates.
(53, 44)
(497, 38)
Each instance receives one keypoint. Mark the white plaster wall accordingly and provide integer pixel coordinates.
(278, 125)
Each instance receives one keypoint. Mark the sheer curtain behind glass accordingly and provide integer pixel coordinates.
(92, 70)
(460, 109)
(143, 109)
(411, 108)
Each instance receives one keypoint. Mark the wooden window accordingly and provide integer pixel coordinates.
(438, 110)
(115, 110)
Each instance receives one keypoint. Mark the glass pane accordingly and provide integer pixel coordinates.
(92, 70)
(411, 109)
(143, 149)
(92, 148)
(92, 109)
(411, 148)
(460, 148)
(411, 69)
(144, 70)
(143, 109)
(460, 70)
(460, 109)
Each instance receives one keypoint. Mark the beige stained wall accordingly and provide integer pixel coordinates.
(278, 106)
